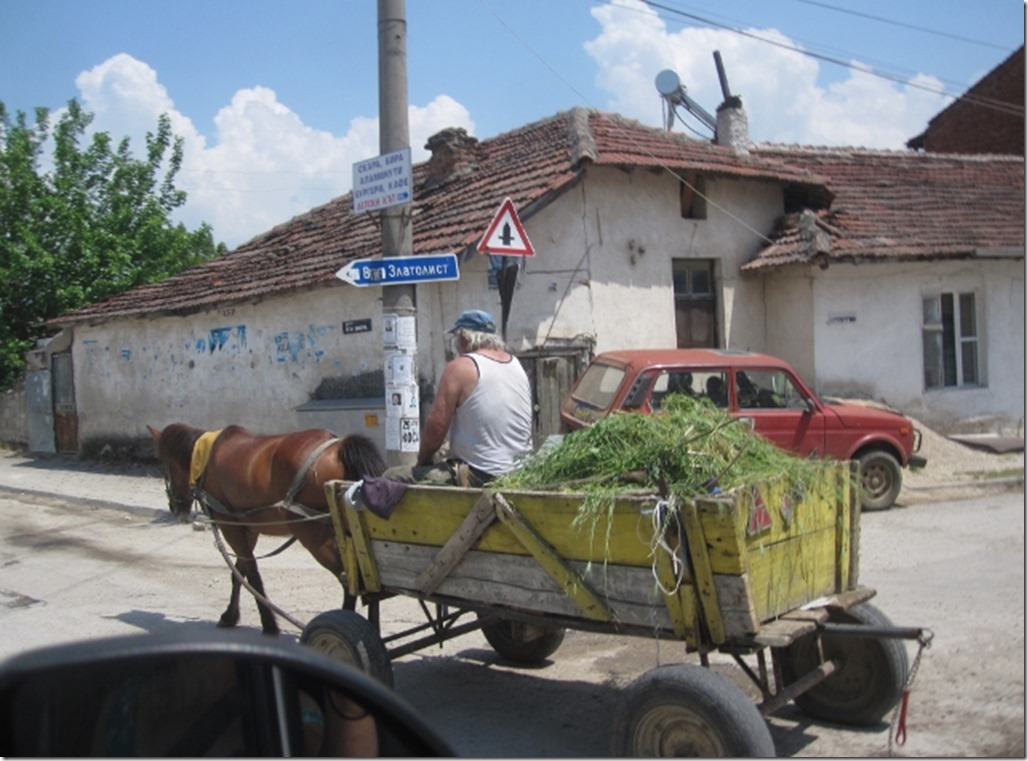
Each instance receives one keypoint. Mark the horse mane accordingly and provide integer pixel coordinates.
(360, 457)
(177, 442)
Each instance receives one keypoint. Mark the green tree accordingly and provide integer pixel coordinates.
(96, 223)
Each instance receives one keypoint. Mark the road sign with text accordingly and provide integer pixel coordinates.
(400, 270)
(382, 181)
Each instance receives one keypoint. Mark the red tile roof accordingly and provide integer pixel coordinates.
(900, 206)
(531, 165)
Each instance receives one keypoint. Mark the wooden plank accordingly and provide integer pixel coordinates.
(357, 534)
(520, 583)
(431, 514)
(478, 519)
(786, 575)
(573, 585)
(681, 603)
(335, 491)
(783, 632)
(735, 601)
(703, 576)
(817, 615)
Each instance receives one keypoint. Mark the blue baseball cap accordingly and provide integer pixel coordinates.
(475, 319)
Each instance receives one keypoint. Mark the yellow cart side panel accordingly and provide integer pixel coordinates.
(429, 515)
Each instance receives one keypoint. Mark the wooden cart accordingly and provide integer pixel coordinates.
(767, 568)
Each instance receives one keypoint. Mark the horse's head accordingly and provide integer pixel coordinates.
(174, 448)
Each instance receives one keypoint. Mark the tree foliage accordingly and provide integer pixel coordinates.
(94, 222)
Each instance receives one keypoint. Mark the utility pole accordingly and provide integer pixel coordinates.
(399, 315)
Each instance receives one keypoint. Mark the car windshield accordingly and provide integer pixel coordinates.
(599, 385)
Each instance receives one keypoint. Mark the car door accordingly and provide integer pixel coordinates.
(777, 407)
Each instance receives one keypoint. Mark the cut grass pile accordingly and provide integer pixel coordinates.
(690, 449)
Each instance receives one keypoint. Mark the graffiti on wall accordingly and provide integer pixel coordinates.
(298, 347)
(222, 339)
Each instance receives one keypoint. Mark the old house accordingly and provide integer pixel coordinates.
(876, 273)
(988, 118)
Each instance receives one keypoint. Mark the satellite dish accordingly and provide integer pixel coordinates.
(667, 82)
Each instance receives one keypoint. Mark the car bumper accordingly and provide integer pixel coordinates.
(917, 461)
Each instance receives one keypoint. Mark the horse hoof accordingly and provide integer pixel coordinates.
(227, 623)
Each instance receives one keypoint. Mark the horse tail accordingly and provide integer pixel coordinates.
(360, 457)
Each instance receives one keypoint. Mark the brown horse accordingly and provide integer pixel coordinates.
(253, 485)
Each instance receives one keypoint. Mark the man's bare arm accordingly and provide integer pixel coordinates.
(457, 381)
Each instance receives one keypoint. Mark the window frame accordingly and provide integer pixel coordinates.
(952, 340)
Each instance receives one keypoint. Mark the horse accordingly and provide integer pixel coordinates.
(252, 485)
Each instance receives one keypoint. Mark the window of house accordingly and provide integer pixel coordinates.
(950, 337)
(695, 302)
(693, 196)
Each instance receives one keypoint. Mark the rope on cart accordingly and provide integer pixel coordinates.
(665, 520)
(898, 725)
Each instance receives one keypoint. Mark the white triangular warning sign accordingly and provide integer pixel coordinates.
(505, 236)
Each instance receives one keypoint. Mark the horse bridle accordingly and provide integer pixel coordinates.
(179, 505)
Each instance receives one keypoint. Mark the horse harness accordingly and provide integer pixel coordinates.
(210, 504)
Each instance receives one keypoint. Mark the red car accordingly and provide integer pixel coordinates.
(763, 391)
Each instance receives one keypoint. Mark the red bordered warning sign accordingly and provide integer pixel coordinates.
(505, 235)
(760, 518)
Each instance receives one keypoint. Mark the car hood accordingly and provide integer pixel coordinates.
(860, 416)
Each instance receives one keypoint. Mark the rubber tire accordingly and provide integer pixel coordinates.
(522, 642)
(869, 681)
(687, 710)
(880, 480)
(348, 637)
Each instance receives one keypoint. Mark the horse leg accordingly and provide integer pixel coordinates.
(231, 615)
(243, 542)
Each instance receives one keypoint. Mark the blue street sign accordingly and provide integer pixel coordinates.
(398, 270)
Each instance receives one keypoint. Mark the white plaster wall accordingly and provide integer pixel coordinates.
(879, 355)
(602, 269)
(251, 364)
(789, 296)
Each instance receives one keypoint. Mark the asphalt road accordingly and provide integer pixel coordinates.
(73, 569)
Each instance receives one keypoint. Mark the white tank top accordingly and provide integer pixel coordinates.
(493, 425)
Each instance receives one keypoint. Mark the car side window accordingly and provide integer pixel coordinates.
(670, 382)
(767, 389)
(714, 385)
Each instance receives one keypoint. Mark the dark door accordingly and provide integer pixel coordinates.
(695, 303)
(66, 421)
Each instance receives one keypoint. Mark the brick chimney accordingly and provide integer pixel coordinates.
(454, 154)
(733, 127)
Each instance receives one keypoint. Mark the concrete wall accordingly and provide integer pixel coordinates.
(251, 364)
(866, 322)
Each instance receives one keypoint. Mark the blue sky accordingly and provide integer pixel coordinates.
(276, 100)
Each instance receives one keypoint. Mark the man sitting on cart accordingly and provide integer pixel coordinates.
(484, 407)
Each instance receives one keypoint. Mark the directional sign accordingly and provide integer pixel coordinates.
(398, 270)
(382, 181)
(505, 235)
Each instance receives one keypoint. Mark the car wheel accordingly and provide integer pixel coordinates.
(880, 480)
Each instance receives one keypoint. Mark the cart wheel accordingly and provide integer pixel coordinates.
(687, 710)
(348, 637)
(522, 642)
(870, 678)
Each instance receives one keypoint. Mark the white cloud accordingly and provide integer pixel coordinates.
(263, 165)
(779, 88)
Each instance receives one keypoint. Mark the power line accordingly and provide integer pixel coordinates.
(915, 27)
(985, 102)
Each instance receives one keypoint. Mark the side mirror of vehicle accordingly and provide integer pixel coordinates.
(235, 693)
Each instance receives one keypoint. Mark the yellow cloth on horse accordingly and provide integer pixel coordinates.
(201, 454)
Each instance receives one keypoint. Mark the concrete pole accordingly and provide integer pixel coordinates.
(399, 317)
